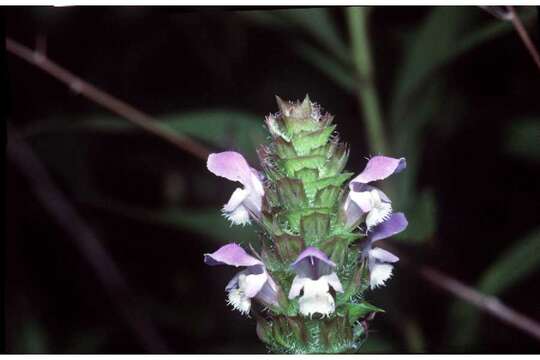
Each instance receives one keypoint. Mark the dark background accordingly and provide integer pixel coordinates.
(483, 177)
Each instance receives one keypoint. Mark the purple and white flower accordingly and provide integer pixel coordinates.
(379, 260)
(314, 275)
(367, 199)
(253, 282)
(244, 202)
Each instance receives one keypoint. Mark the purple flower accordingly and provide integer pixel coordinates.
(243, 202)
(367, 199)
(253, 282)
(379, 260)
(314, 274)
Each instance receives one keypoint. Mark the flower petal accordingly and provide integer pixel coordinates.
(237, 197)
(296, 286)
(379, 168)
(269, 292)
(334, 282)
(254, 283)
(379, 274)
(231, 254)
(312, 263)
(362, 199)
(396, 223)
(230, 165)
(382, 255)
(353, 213)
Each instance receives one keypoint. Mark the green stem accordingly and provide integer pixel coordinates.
(357, 19)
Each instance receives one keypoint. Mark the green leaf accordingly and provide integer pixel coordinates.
(341, 74)
(220, 128)
(357, 311)
(314, 227)
(316, 22)
(422, 217)
(206, 222)
(320, 25)
(514, 265)
(32, 338)
(377, 345)
(522, 138)
(444, 35)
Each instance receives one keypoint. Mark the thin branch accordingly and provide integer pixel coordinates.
(522, 32)
(489, 304)
(84, 238)
(106, 100)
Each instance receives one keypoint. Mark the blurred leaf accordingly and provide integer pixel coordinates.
(206, 222)
(221, 128)
(408, 135)
(441, 38)
(422, 217)
(317, 22)
(513, 265)
(377, 345)
(510, 268)
(340, 74)
(320, 25)
(32, 338)
(522, 138)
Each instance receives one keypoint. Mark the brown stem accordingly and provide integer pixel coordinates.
(84, 238)
(522, 32)
(489, 304)
(106, 100)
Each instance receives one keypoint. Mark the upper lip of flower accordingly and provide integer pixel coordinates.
(243, 202)
(258, 282)
(363, 198)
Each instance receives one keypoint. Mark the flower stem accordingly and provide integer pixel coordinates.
(357, 19)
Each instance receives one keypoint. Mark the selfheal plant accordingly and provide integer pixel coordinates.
(314, 258)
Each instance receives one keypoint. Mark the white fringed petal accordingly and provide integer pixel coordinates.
(316, 298)
(380, 272)
(239, 216)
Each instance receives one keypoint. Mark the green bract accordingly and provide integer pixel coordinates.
(303, 206)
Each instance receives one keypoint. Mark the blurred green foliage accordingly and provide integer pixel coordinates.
(512, 266)
(417, 101)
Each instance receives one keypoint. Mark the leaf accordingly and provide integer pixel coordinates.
(513, 265)
(377, 345)
(221, 128)
(444, 36)
(357, 311)
(317, 22)
(422, 218)
(516, 263)
(32, 338)
(342, 75)
(522, 138)
(206, 222)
